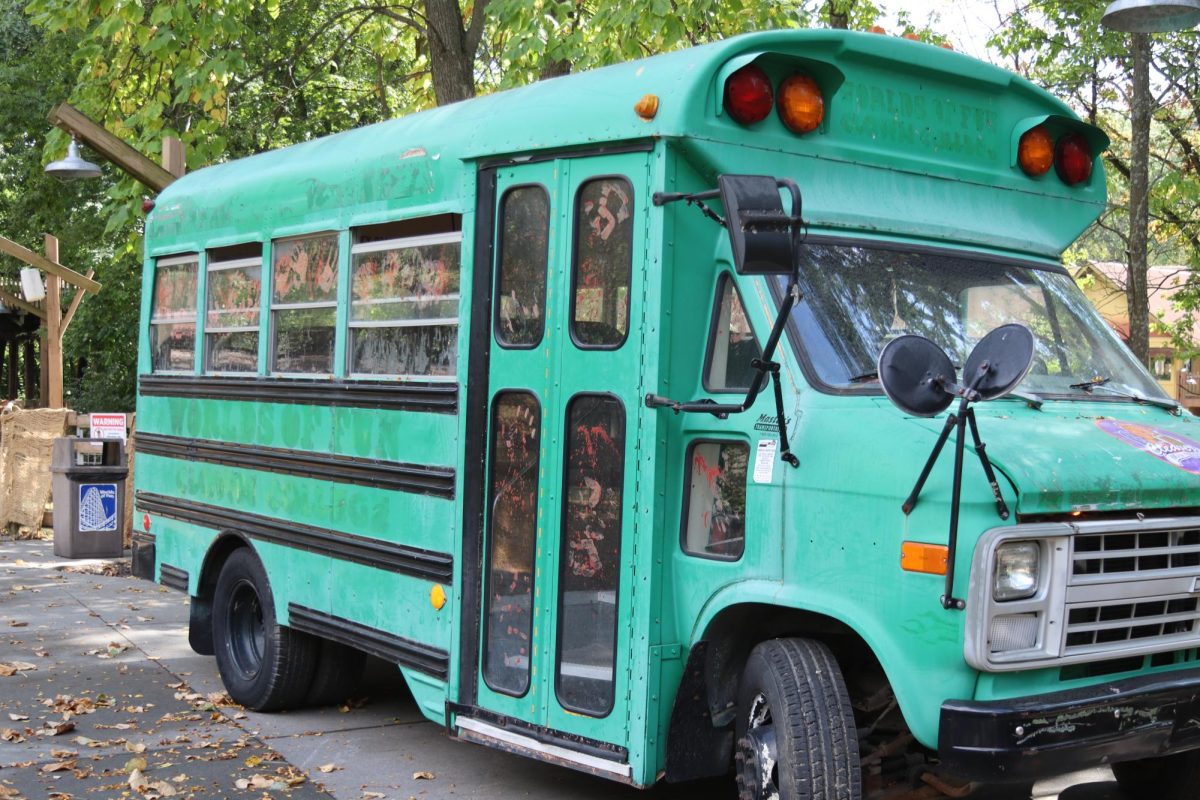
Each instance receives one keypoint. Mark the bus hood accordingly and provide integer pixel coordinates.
(1072, 456)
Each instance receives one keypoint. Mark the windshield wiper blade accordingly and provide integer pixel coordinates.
(872, 375)
(1169, 405)
(1087, 386)
(1033, 400)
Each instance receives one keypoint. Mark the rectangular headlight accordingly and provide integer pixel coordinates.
(1017, 566)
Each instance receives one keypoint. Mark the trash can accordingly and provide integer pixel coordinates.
(89, 497)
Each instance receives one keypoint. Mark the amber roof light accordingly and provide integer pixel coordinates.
(801, 105)
(1035, 152)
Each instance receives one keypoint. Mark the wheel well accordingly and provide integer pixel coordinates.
(200, 631)
(700, 739)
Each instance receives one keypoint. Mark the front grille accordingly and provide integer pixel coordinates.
(1118, 573)
(1102, 557)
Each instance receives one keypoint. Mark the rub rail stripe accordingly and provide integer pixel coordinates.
(173, 578)
(430, 396)
(399, 558)
(393, 475)
(396, 649)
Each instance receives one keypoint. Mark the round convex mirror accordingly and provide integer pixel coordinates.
(913, 372)
(1000, 361)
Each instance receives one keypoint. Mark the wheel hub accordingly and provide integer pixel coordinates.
(757, 754)
(247, 629)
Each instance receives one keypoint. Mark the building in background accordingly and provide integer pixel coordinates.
(1177, 370)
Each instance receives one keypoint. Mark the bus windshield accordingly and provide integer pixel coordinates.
(857, 299)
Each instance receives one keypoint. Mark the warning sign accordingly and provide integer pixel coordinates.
(107, 426)
(97, 507)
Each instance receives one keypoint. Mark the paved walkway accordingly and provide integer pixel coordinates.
(110, 701)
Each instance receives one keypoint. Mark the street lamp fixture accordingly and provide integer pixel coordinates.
(73, 167)
(1151, 16)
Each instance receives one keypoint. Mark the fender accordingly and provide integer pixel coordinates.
(200, 628)
(925, 650)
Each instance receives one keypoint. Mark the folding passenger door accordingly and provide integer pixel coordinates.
(563, 362)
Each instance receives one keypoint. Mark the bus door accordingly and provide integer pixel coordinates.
(563, 394)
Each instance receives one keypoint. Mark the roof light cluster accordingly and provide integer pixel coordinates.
(1071, 156)
(749, 98)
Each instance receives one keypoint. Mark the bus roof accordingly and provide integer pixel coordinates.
(895, 105)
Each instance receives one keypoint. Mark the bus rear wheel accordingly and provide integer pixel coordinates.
(796, 738)
(265, 666)
(1174, 777)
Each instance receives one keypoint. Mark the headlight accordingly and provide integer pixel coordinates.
(1016, 570)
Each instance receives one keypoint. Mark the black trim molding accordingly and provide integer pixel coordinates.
(394, 475)
(399, 558)
(398, 650)
(432, 396)
(551, 736)
(173, 578)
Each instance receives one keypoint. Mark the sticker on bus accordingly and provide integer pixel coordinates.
(97, 507)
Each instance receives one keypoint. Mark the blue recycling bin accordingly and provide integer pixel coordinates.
(89, 497)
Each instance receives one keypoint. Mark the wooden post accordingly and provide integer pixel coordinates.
(53, 357)
(30, 373)
(14, 378)
(173, 159)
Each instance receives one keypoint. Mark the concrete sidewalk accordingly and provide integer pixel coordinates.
(108, 685)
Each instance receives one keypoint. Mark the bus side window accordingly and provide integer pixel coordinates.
(304, 304)
(603, 263)
(521, 283)
(234, 298)
(731, 342)
(404, 306)
(173, 317)
(714, 523)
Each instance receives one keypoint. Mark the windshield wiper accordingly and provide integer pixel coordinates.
(873, 375)
(1100, 383)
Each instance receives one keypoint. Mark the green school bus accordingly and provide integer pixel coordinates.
(566, 400)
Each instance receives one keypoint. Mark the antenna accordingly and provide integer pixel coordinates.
(919, 378)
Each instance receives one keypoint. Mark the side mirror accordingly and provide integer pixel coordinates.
(760, 231)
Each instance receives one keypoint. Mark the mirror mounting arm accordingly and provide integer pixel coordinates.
(694, 199)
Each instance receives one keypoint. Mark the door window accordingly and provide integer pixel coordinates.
(603, 263)
(732, 344)
(715, 508)
(591, 553)
(524, 237)
(516, 422)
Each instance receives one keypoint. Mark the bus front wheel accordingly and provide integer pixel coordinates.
(265, 666)
(796, 738)
(1174, 777)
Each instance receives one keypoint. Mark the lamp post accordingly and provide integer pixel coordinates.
(1140, 18)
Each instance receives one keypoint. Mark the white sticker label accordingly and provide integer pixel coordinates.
(764, 460)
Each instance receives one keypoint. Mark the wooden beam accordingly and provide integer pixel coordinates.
(173, 156)
(70, 312)
(46, 265)
(12, 301)
(53, 357)
(71, 120)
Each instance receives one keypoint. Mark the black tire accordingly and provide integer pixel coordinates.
(339, 669)
(1175, 777)
(265, 666)
(795, 726)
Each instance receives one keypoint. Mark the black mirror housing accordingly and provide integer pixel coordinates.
(760, 231)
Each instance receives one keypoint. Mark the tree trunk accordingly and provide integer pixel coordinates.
(839, 13)
(1136, 293)
(452, 49)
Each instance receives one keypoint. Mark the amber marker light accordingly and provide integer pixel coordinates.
(647, 107)
(922, 557)
(1073, 159)
(748, 95)
(801, 105)
(1035, 152)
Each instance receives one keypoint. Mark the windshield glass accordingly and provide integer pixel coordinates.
(857, 299)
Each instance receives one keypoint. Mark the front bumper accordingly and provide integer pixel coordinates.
(1034, 737)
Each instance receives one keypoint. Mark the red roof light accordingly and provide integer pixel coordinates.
(748, 95)
(1073, 159)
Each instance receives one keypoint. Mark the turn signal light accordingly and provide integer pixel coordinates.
(1035, 153)
(748, 95)
(801, 106)
(922, 557)
(1073, 159)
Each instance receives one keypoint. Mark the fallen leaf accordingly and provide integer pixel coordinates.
(137, 781)
(14, 623)
(137, 747)
(163, 788)
(58, 752)
(18, 717)
(423, 776)
(59, 766)
(8, 791)
(7, 671)
(9, 735)
(327, 768)
(56, 728)
(135, 764)
(372, 795)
